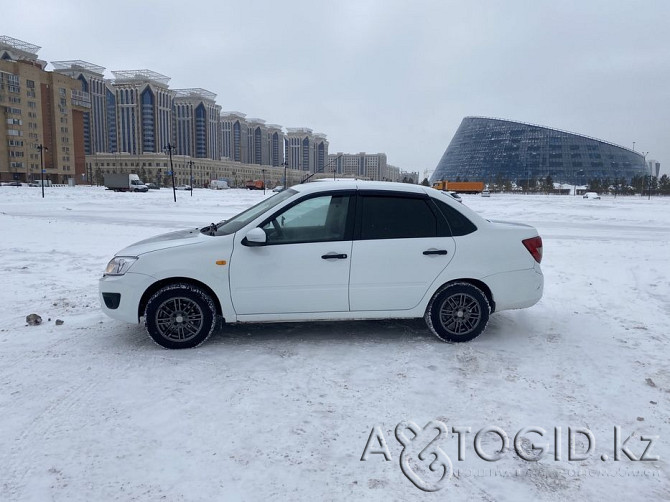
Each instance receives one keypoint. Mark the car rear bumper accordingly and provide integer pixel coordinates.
(120, 295)
(518, 289)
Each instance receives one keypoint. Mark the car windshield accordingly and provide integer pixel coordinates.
(240, 220)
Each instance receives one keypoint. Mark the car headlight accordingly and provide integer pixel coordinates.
(119, 265)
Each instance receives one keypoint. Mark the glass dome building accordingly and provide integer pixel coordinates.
(496, 150)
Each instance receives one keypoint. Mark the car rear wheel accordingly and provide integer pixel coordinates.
(458, 313)
(180, 316)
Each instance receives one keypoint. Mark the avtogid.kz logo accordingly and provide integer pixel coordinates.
(426, 464)
(423, 445)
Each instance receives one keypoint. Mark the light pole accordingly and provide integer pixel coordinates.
(263, 181)
(169, 149)
(41, 148)
(190, 175)
(285, 180)
(644, 154)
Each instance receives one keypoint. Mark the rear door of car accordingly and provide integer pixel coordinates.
(401, 244)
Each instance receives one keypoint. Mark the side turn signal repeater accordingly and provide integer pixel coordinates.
(221, 262)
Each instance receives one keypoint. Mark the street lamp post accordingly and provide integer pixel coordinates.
(263, 181)
(190, 175)
(644, 154)
(169, 149)
(41, 148)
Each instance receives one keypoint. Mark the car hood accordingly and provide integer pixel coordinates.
(163, 241)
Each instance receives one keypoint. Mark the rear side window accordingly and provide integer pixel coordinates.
(458, 223)
(389, 217)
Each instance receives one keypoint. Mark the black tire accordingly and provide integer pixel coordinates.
(180, 316)
(458, 313)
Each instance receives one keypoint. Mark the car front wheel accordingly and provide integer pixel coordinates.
(458, 313)
(180, 316)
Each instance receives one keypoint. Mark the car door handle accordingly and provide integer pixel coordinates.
(334, 256)
(435, 251)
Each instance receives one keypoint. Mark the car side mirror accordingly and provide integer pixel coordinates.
(255, 237)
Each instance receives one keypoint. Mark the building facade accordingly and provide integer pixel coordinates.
(42, 126)
(197, 172)
(197, 120)
(306, 150)
(275, 145)
(234, 131)
(496, 150)
(654, 168)
(92, 82)
(144, 106)
(76, 113)
(371, 166)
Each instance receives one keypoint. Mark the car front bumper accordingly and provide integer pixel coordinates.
(120, 295)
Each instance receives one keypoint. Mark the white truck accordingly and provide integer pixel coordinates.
(218, 185)
(125, 183)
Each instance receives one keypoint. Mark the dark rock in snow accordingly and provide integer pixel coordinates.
(33, 320)
(59, 322)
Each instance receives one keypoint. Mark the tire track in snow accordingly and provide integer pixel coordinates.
(16, 465)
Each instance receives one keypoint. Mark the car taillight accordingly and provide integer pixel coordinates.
(534, 247)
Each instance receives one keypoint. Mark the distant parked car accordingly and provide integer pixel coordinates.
(12, 184)
(486, 193)
(591, 195)
(278, 188)
(183, 187)
(333, 243)
(33, 184)
(456, 196)
(152, 186)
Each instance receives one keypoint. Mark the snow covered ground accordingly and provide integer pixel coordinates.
(93, 410)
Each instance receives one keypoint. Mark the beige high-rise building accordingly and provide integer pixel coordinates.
(144, 109)
(39, 109)
(371, 166)
(306, 150)
(197, 123)
(234, 131)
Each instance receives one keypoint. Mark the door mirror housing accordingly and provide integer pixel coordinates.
(255, 237)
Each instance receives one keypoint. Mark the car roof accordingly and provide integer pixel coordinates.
(325, 184)
(391, 187)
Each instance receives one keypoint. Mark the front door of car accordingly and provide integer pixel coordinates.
(401, 246)
(303, 267)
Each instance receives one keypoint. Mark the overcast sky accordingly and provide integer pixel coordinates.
(387, 75)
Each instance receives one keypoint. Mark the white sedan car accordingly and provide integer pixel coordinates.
(329, 251)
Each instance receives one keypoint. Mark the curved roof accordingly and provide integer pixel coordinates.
(549, 129)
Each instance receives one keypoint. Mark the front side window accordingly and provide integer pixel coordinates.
(242, 219)
(397, 217)
(317, 219)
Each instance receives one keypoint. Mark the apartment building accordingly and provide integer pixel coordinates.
(197, 122)
(306, 150)
(39, 109)
(371, 166)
